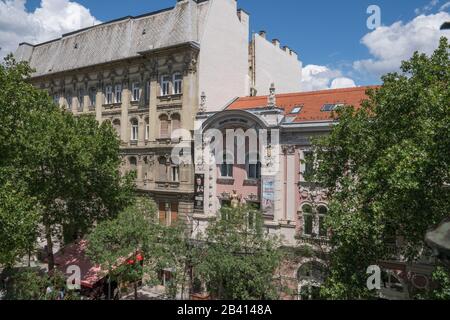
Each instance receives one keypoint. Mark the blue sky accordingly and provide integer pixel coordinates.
(326, 33)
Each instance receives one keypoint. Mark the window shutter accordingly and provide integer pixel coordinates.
(164, 127)
(162, 213)
(174, 212)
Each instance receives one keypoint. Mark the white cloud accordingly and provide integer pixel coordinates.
(427, 8)
(50, 20)
(389, 45)
(445, 6)
(316, 77)
(342, 82)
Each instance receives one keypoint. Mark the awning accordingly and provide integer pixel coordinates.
(75, 255)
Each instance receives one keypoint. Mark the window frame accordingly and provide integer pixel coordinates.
(109, 94)
(134, 130)
(165, 85)
(135, 91)
(177, 84)
(118, 93)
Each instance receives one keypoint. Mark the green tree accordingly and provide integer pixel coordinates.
(237, 259)
(114, 245)
(386, 168)
(69, 165)
(19, 215)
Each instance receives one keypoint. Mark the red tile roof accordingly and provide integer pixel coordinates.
(311, 102)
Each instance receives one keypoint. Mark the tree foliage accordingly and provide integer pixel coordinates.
(237, 259)
(69, 165)
(386, 167)
(114, 244)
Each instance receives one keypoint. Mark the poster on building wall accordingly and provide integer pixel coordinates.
(268, 195)
(199, 191)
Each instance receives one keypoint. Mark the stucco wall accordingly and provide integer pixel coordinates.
(223, 69)
(275, 65)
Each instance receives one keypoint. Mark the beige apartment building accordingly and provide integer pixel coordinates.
(148, 76)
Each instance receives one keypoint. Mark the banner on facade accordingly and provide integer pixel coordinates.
(268, 195)
(199, 192)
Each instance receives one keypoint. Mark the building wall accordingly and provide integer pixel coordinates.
(274, 64)
(223, 70)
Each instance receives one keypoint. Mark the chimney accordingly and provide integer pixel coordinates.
(262, 34)
(276, 42)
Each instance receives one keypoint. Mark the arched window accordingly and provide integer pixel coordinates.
(253, 169)
(308, 220)
(116, 126)
(147, 129)
(322, 211)
(164, 126)
(177, 83)
(134, 130)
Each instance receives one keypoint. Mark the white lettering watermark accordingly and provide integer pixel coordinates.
(374, 20)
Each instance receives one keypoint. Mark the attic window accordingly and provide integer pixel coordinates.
(75, 46)
(144, 32)
(297, 110)
(330, 107)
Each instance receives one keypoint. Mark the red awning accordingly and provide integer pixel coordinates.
(74, 254)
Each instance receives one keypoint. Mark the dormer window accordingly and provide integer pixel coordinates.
(329, 107)
(297, 110)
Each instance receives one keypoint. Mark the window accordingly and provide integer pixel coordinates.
(136, 91)
(164, 129)
(175, 173)
(69, 99)
(108, 95)
(165, 85)
(177, 83)
(133, 163)
(322, 212)
(147, 92)
(134, 130)
(328, 107)
(307, 220)
(311, 275)
(147, 129)
(118, 93)
(80, 99)
(297, 110)
(253, 169)
(92, 96)
(168, 213)
(308, 163)
(226, 170)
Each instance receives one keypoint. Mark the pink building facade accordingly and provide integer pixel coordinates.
(279, 128)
